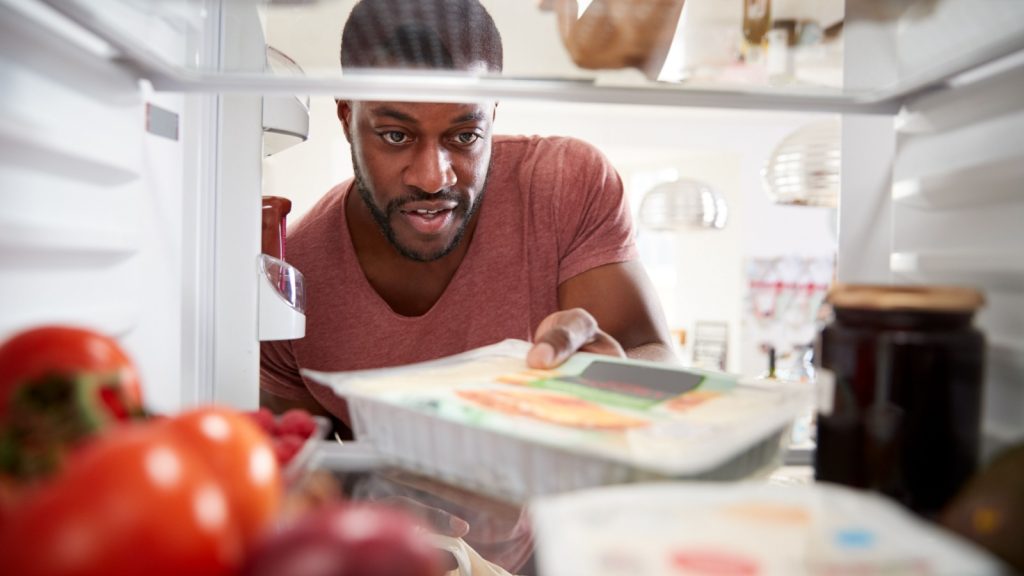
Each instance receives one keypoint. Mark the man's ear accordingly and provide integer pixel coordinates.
(345, 116)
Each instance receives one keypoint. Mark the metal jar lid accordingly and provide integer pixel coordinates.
(907, 298)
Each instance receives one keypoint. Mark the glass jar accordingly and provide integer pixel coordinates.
(903, 367)
(274, 225)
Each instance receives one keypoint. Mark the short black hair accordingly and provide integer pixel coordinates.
(434, 34)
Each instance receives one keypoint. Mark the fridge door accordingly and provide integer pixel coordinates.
(94, 198)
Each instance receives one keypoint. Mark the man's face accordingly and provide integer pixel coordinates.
(420, 168)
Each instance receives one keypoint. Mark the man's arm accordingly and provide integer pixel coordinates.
(280, 404)
(282, 388)
(611, 309)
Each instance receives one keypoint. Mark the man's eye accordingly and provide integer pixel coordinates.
(467, 137)
(394, 137)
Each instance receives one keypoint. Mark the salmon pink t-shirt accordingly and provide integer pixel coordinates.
(553, 208)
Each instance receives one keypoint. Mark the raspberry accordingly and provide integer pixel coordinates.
(265, 419)
(286, 447)
(298, 422)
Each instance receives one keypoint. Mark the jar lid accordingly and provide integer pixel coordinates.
(920, 298)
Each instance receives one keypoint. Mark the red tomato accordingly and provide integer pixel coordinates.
(9, 495)
(136, 501)
(242, 457)
(64, 350)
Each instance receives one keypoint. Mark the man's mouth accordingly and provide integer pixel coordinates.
(428, 220)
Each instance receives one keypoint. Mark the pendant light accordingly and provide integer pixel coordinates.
(681, 205)
(804, 168)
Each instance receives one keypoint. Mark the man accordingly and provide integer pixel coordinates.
(450, 238)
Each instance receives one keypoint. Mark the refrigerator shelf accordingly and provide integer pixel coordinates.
(113, 320)
(932, 53)
(992, 90)
(25, 144)
(23, 243)
(1003, 270)
(993, 182)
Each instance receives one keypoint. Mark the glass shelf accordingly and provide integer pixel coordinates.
(919, 44)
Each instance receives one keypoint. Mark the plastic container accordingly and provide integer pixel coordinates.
(742, 528)
(482, 421)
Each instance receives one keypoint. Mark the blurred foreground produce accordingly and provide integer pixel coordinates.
(990, 509)
(347, 540)
(288, 432)
(185, 495)
(240, 455)
(59, 385)
(140, 501)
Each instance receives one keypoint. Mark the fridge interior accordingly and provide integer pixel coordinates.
(135, 158)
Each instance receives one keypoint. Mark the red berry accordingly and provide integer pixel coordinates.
(265, 419)
(286, 447)
(298, 422)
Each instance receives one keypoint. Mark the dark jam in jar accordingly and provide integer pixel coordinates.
(905, 366)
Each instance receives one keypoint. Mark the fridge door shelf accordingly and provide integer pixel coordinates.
(285, 122)
(282, 300)
(285, 118)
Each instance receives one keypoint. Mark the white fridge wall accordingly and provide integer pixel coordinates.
(935, 197)
(90, 204)
(951, 229)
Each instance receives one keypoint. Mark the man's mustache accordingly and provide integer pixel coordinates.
(446, 194)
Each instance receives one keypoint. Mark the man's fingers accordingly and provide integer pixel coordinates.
(565, 332)
(559, 335)
(433, 519)
(541, 355)
(603, 343)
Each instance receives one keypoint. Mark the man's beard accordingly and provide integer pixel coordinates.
(383, 217)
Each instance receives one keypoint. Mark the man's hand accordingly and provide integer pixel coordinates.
(430, 518)
(568, 331)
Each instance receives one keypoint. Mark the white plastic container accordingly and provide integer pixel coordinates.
(483, 421)
(742, 528)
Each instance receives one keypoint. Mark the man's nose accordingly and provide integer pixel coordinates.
(431, 169)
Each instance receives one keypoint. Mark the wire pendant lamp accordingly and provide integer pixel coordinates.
(804, 168)
(683, 204)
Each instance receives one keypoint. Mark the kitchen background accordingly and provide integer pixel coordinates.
(703, 274)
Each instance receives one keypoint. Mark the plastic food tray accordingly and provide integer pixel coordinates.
(418, 417)
(303, 459)
(742, 528)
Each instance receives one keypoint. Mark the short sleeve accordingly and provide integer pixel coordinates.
(279, 371)
(591, 212)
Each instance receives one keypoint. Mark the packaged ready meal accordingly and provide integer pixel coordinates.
(485, 421)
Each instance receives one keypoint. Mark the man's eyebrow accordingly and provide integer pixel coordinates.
(392, 113)
(474, 116)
